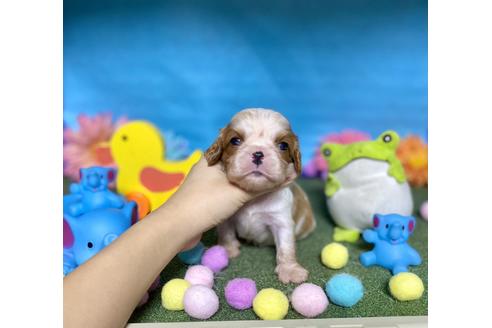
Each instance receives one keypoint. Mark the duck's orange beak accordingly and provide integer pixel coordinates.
(102, 152)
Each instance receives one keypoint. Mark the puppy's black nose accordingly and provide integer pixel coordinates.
(257, 157)
(258, 154)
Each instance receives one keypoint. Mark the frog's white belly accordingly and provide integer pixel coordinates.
(366, 188)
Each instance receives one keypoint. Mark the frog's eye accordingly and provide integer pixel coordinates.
(387, 138)
(327, 152)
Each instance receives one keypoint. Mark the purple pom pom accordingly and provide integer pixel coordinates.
(240, 292)
(215, 258)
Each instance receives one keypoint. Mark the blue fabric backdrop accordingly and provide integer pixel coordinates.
(188, 66)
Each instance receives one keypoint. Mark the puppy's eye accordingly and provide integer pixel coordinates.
(235, 141)
(283, 146)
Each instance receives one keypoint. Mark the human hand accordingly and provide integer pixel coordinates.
(207, 196)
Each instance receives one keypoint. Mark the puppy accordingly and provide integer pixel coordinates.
(259, 152)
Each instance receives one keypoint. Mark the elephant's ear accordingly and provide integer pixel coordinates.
(111, 174)
(68, 237)
(411, 224)
(375, 221)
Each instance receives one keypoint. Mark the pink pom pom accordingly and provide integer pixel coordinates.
(215, 258)
(424, 211)
(309, 300)
(240, 292)
(200, 302)
(200, 275)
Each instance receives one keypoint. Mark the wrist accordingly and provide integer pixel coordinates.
(177, 221)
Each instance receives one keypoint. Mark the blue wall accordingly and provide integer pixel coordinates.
(188, 66)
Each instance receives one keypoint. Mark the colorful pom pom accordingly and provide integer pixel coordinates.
(309, 300)
(172, 294)
(271, 304)
(192, 256)
(406, 286)
(200, 275)
(200, 302)
(424, 210)
(334, 256)
(344, 290)
(216, 258)
(240, 292)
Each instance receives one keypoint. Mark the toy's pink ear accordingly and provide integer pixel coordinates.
(111, 175)
(375, 221)
(411, 225)
(68, 237)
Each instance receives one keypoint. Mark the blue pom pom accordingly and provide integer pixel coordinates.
(344, 290)
(192, 256)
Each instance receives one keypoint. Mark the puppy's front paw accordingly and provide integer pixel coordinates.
(233, 249)
(291, 272)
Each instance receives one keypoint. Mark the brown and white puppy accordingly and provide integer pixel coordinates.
(259, 152)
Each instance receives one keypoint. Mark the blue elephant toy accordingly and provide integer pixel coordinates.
(391, 250)
(92, 192)
(85, 235)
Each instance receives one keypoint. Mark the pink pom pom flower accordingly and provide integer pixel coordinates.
(200, 275)
(309, 300)
(200, 302)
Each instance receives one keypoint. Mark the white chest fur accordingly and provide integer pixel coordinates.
(255, 221)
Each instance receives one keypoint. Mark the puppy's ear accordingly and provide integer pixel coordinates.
(295, 152)
(214, 152)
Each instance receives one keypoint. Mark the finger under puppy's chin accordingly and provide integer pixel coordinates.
(259, 184)
(253, 184)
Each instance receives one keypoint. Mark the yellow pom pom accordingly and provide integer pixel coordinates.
(172, 294)
(406, 286)
(334, 256)
(271, 304)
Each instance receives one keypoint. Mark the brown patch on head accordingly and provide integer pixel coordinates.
(222, 149)
(293, 154)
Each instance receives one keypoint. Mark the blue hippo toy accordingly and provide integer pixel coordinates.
(92, 192)
(391, 250)
(85, 235)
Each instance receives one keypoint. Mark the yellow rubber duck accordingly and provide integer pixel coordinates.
(144, 175)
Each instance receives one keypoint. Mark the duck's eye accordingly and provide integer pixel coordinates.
(235, 141)
(124, 137)
(327, 152)
(403, 228)
(387, 226)
(90, 245)
(283, 146)
(387, 138)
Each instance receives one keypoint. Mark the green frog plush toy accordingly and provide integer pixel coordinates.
(364, 178)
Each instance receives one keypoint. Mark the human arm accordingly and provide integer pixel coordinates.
(105, 290)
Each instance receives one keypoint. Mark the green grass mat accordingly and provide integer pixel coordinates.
(258, 264)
